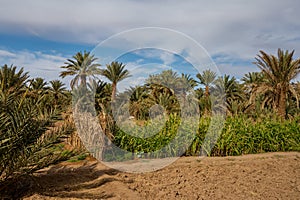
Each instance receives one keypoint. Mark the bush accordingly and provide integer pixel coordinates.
(240, 135)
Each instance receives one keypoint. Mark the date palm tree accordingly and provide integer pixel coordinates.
(207, 78)
(115, 72)
(167, 78)
(82, 66)
(102, 92)
(58, 90)
(278, 72)
(28, 138)
(11, 80)
(188, 81)
(233, 93)
(38, 84)
(139, 103)
(38, 87)
(251, 81)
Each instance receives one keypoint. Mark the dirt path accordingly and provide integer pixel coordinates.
(263, 176)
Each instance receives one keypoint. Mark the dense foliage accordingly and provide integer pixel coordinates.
(240, 135)
(29, 138)
(261, 112)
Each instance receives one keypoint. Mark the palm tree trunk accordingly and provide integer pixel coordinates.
(83, 80)
(206, 109)
(114, 91)
(206, 91)
(282, 103)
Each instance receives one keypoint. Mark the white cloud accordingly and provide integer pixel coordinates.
(238, 29)
(167, 58)
(139, 73)
(38, 64)
(93, 20)
(4, 53)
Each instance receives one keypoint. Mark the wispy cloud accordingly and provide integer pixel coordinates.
(139, 73)
(4, 53)
(37, 63)
(235, 29)
(164, 57)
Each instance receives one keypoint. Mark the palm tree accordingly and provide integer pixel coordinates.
(188, 80)
(139, 104)
(38, 87)
(28, 139)
(251, 81)
(102, 92)
(207, 78)
(167, 78)
(11, 80)
(115, 72)
(232, 91)
(137, 93)
(58, 90)
(253, 77)
(187, 83)
(168, 102)
(278, 72)
(38, 84)
(82, 66)
(296, 87)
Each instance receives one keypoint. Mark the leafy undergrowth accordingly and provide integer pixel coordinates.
(214, 137)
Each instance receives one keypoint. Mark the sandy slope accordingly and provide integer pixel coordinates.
(263, 176)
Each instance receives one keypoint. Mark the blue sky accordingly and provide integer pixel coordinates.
(41, 35)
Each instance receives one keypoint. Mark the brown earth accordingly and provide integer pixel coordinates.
(261, 176)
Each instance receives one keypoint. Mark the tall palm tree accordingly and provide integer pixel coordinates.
(115, 72)
(82, 66)
(278, 72)
(297, 87)
(207, 78)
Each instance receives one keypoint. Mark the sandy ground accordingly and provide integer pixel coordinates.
(262, 176)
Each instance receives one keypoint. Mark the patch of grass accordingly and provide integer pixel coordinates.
(78, 158)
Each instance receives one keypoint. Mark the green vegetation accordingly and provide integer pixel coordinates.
(28, 136)
(240, 135)
(78, 158)
(37, 126)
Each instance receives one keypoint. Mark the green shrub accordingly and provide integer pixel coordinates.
(239, 135)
